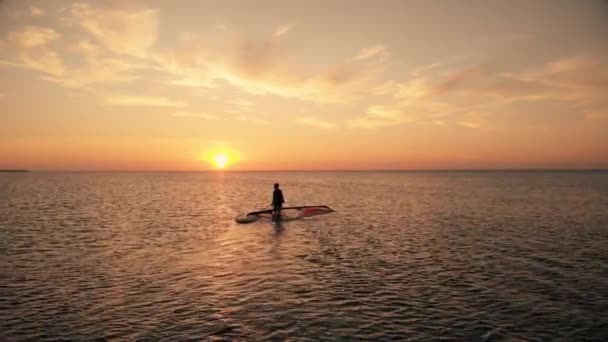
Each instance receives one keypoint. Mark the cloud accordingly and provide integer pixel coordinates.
(257, 58)
(194, 115)
(433, 94)
(120, 45)
(108, 71)
(46, 61)
(122, 30)
(380, 52)
(367, 122)
(471, 120)
(384, 115)
(391, 113)
(245, 118)
(33, 36)
(103, 68)
(478, 82)
(580, 77)
(263, 67)
(36, 11)
(470, 124)
(242, 103)
(127, 100)
(9, 64)
(31, 50)
(44, 50)
(579, 73)
(239, 106)
(315, 122)
(282, 30)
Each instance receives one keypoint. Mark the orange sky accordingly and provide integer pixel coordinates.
(158, 85)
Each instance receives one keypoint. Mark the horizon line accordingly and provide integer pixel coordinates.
(329, 170)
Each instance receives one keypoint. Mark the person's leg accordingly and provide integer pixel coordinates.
(275, 212)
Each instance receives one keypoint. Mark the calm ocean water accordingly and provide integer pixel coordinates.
(467, 256)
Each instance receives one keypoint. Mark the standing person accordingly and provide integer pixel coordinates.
(277, 202)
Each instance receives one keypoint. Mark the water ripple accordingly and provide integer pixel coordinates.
(458, 256)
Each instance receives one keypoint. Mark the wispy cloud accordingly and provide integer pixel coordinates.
(367, 122)
(473, 120)
(32, 51)
(242, 103)
(33, 36)
(265, 67)
(381, 116)
(124, 31)
(378, 51)
(46, 61)
(194, 115)
(282, 30)
(119, 43)
(36, 11)
(127, 100)
(315, 122)
(245, 118)
(433, 94)
(44, 50)
(239, 106)
(9, 64)
(582, 74)
(470, 124)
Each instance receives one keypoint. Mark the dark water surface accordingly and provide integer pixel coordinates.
(468, 256)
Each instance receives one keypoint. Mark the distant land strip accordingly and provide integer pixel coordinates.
(14, 170)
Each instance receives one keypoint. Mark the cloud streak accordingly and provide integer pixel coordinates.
(430, 94)
(123, 31)
(194, 115)
(36, 11)
(282, 30)
(33, 37)
(127, 100)
(373, 52)
(315, 122)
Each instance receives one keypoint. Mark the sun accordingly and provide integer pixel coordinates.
(220, 160)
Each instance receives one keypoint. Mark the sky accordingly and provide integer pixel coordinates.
(303, 85)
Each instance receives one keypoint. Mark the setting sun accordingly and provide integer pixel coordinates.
(220, 160)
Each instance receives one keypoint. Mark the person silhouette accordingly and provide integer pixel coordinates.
(277, 202)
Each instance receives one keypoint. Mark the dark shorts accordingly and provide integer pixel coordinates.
(277, 207)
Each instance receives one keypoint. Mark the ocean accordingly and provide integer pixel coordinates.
(419, 256)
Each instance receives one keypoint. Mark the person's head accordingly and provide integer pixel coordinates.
(276, 185)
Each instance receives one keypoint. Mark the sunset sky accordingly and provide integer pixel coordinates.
(307, 85)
